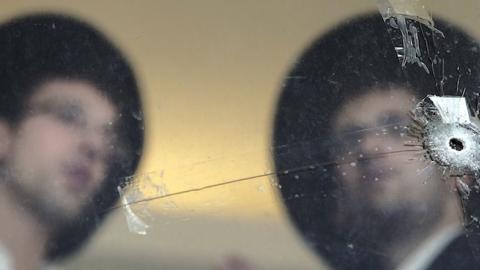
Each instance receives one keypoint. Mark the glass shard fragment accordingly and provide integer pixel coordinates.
(134, 223)
(405, 20)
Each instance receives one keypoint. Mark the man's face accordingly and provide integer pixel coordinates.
(389, 176)
(57, 155)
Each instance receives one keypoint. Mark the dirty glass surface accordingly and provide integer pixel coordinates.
(268, 135)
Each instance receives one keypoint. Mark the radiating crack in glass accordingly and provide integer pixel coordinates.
(450, 136)
(133, 194)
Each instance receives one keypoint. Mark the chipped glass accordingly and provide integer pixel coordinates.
(134, 222)
(410, 19)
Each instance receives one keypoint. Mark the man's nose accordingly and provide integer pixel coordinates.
(92, 144)
(373, 144)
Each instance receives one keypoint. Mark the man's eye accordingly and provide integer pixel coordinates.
(68, 115)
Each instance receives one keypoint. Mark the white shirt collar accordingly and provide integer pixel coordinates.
(5, 259)
(425, 254)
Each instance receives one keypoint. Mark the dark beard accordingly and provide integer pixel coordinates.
(45, 212)
(375, 235)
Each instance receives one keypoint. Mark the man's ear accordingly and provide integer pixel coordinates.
(5, 138)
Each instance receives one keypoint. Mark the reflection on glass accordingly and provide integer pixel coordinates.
(66, 136)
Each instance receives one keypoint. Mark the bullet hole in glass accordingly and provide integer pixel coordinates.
(456, 144)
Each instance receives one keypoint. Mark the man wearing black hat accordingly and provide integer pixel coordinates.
(361, 194)
(68, 136)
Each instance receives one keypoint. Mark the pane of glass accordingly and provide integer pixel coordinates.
(271, 134)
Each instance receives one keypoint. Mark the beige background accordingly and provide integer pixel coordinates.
(210, 71)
